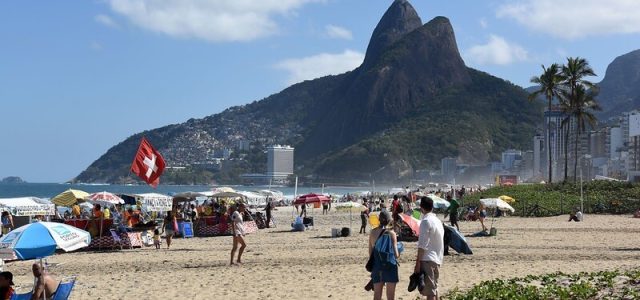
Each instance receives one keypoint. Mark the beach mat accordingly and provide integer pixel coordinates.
(457, 241)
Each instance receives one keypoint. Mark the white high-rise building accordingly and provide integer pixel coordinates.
(539, 157)
(279, 161)
(509, 157)
(615, 142)
(449, 167)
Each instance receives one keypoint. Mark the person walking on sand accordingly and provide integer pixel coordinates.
(482, 215)
(384, 271)
(168, 227)
(268, 208)
(237, 224)
(430, 249)
(364, 216)
(453, 211)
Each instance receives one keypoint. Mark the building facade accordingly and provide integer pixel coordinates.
(279, 161)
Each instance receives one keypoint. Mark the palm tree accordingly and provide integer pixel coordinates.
(574, 73)
(549, 82)
(583, 107)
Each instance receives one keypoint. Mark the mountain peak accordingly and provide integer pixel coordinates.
(620, 88)
(400, 19)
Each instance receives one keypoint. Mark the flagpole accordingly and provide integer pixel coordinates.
(295, 196)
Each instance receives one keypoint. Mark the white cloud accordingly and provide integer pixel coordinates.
(497, 51)
(571, 19)
(483, 23)
(337, 32)
(106, 21)
(319, 65)
(211, 20)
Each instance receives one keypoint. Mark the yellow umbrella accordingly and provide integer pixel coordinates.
(507, 199)
(69, 197)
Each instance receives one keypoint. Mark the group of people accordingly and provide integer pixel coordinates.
(383, 258)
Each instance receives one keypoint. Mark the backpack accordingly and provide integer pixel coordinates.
(383, 253)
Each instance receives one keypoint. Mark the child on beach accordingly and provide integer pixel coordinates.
(156, 238)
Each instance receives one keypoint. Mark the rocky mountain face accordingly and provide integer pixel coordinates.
(412, 102)
(620, 88)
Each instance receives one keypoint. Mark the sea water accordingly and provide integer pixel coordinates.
(49, 190)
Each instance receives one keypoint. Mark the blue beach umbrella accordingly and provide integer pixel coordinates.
(41, 239)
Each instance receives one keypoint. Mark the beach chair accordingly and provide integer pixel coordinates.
(64, 290)
(25, 296)
(117, 241)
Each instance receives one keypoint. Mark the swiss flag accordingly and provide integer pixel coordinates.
(148, 163)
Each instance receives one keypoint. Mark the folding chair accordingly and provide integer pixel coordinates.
(25, 296)
(64, 290)
(117, 241)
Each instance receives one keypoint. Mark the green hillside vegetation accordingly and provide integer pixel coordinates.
(486, 117)
(556, 199)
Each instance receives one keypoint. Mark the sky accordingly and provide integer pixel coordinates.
(77, 77)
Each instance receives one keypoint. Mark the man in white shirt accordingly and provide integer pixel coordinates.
(238, 232)
(430, 249)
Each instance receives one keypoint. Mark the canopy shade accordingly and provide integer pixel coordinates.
(27, 206)
(155, 202)
(69, 197)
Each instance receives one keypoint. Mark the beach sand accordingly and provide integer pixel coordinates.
(280, 264)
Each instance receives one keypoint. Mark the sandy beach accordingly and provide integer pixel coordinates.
(280, 264)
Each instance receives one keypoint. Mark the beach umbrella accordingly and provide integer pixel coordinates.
(438, 202)
(412, 222)
(312, 198)
(497, 203)
(41, 239)
(105, 198)
(507, 199)
(187, 196)
(69, 197)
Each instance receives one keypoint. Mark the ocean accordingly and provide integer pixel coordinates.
(49, 190)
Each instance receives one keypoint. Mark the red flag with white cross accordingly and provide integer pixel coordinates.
(148, 163)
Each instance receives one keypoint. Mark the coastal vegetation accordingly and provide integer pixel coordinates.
(560, 198)
(599, 285)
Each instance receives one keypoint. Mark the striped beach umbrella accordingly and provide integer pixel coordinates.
(69, 197)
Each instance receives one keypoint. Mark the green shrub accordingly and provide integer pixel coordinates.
(556, 199)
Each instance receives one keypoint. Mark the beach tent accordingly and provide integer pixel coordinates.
(155, 202)
(69, 197)
(41, 239)
(27, 206)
